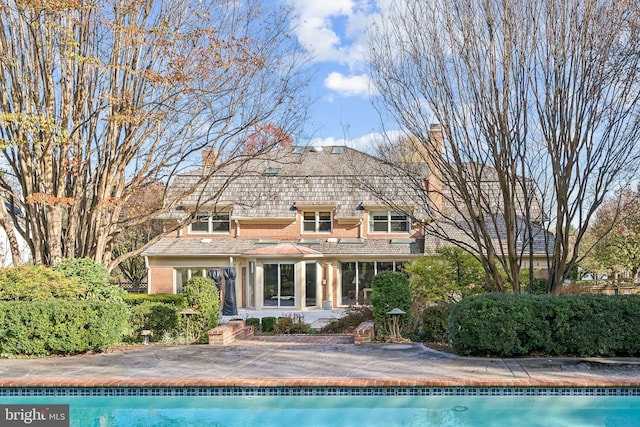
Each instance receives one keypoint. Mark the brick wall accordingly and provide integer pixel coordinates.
(161, 280)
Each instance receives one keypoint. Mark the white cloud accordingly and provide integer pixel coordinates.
(354, 85)
(333, 30)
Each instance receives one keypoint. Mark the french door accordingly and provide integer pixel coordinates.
(279, 285)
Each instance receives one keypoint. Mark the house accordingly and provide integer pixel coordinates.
(308, 227)
(297, 228)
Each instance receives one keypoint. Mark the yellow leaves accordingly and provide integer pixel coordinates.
(49, 200)
(28, 122)
(32, 128)
(91, 60)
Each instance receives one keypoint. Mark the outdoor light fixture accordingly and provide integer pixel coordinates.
(293, 207)
(187, 313)
(395, 322)
(360, 207)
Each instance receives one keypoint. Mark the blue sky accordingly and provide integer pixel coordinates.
(333, 32)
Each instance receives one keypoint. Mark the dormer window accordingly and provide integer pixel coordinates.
(316, 222)
(388, 222)
(211, 222)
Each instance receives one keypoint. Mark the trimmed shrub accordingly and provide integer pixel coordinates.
(95, 276)
(177, 300)
(511, 325)
(253, 321)
(40, 328)
(202, 295)
(390, 290)
(158, 317)
(268, 324)
(434, 322)
(37, 283)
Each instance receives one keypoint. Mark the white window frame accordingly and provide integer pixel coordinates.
(389, 215)
(317, 222)
(191, 272)
(208, 217)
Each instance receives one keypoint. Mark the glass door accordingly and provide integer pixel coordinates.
(279, 285)
(311, 284)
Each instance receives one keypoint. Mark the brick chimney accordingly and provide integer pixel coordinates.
(210, 158)
(433, 183)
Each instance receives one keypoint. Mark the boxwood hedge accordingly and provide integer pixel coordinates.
(511, 325)
(40, 328)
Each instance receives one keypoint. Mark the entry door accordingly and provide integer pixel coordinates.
(279, 285)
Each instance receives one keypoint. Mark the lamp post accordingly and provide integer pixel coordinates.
(395, 322)
(188, 312)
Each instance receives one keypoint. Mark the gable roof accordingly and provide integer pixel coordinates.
(284, 249)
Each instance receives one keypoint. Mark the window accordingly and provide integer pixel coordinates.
(357, 277)
(184, 274)
(388, 222)
(316, 222)
(216, 222)
(220, 222)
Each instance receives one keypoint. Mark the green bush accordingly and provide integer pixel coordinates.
(158, 317)
(390, 290)
(202, 296)
(95, 276)
(434, 321)
(511, 325)
(40, 328)
(178, 300)
(268, 324)
(37, 283)
(253, 321)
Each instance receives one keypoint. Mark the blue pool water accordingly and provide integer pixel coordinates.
(341, 409)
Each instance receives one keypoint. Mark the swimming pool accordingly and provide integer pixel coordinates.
(338, 406)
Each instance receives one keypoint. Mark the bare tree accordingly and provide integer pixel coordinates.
(99, 99)
(612, 242)
(538, 103)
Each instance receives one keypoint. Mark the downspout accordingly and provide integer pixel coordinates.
(146, 264)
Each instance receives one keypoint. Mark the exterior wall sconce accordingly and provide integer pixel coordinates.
(360, 207)
(293, 207)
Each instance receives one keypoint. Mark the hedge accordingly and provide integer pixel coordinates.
(41, 328)
(268, 324)
(507, 325)
(158, 317)
(37, 282)
(178, 300)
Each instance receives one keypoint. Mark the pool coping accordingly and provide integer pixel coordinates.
(94, 382)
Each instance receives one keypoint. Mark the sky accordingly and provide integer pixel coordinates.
(333, 32)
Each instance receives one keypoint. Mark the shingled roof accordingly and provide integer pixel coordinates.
(171, 246)
(305, 176)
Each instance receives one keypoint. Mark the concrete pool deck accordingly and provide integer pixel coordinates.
(293, 362)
